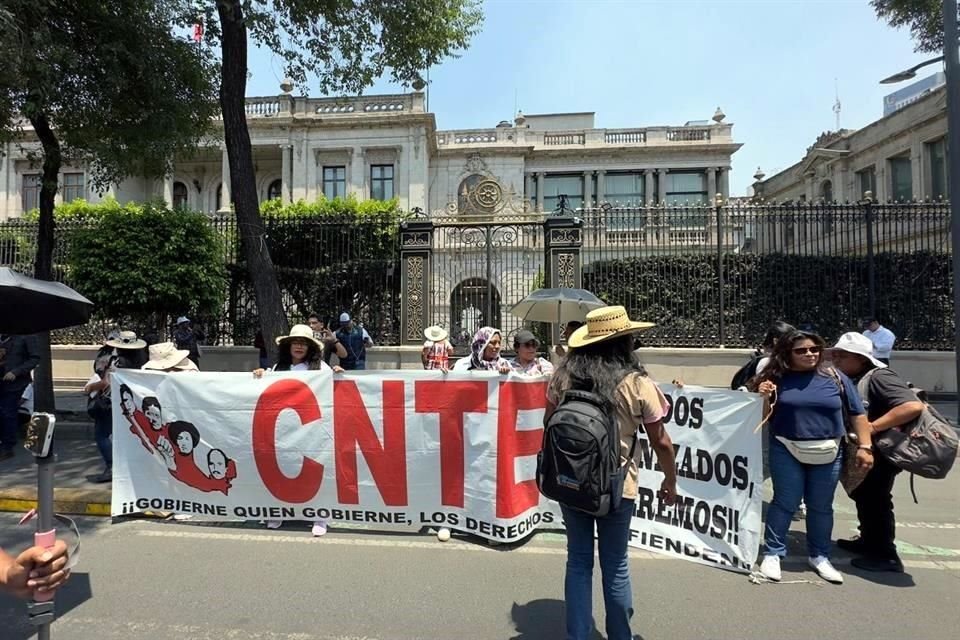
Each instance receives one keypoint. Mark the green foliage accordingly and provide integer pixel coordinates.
(680, 294)
(122, 91)
(145, 263)
(924, 18)
(346, 46)
(331, 256)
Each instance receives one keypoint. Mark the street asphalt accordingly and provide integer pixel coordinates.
(166, 580)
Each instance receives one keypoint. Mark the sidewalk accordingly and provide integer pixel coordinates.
(77, 460)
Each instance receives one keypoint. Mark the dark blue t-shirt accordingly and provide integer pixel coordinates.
(808, 406)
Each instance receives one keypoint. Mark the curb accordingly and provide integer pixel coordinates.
(82, 502)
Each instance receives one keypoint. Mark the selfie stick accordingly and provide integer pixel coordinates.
(40, 444)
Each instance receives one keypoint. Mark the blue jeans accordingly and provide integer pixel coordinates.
(793, 481)
(9, 403)
(613, 532)
(102, 432)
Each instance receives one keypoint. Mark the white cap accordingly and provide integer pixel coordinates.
(859, 344)
(344, 317)
(182, 319)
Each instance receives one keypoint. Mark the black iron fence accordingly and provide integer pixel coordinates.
(708, 275)
(718, 275)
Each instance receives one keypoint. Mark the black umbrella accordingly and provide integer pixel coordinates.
(32, 306)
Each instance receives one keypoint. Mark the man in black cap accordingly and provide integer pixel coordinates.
(527, 361)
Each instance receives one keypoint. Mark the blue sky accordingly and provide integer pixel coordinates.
(771, 65)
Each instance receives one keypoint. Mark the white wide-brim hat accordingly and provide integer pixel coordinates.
(861, 345)
(605, 323)
(126, 340)
(436, 333)
(165, 355)
(301, 331)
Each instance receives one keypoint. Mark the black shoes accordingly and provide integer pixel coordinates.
(853, 545)
(870, 563)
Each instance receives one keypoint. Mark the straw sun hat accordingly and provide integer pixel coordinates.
(165, 355)
(605, 323)
(301, 331)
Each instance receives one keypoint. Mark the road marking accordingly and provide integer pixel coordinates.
(107, 628)
(434, 545)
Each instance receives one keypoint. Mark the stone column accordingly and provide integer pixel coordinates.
(286, 164)
(711, 185)
(416, 272)
(168, 190)
(587, 188)
(225, 198)
(357, 178)
(662, 184)
(601, 194)
(917, 170)
(648, 186)
(564, 239)
(725, 182)
(540, 185)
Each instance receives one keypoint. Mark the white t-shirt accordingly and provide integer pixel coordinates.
(305, 366)
(26, 400)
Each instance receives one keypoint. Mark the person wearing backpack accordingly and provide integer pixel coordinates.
(805, 405)
(601, 378)
(890, 403)
(761, 358)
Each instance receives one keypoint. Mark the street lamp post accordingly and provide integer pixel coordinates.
(950, 55)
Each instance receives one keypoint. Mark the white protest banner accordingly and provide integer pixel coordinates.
(410, 449)
(716, 518)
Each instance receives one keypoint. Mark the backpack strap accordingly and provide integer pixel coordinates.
(913, 491)
(845, 409)
(863, 387)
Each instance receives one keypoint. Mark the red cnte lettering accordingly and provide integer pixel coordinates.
(352, 427)
(514, 498)
(451, 400)
(285, 394)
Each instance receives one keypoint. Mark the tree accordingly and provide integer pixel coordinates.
(108, 84)
(346, 45)
(162, 263)
(924, 18)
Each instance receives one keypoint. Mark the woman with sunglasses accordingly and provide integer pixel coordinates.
(527, 362)
(806, 426)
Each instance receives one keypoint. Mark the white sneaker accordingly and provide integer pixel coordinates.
(770, 568)
(825, 570)
(319, 528)
(274, 524)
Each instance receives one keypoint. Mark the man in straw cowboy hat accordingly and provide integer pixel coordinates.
(602, 360)
(889, 403)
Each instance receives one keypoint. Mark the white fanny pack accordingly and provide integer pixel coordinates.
(812, 451)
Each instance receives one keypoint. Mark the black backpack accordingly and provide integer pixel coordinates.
(746, 372)
(579, 463)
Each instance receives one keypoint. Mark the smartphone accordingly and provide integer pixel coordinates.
(40, 434)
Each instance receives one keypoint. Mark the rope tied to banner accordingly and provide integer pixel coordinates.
(773, 403)
(756, 577)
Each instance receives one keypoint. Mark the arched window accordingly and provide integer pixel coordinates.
(179, 195)
(275, 190)
(826, 191)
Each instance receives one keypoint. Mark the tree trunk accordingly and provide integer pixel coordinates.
(44, 399)
(233, 84)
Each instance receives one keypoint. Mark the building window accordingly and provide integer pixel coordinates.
(381, 181)
(334, 182)
(30, 196)
(937, 153)
(556, 186)
(901, 179)
(179, 195)
(826, 191)
(624, 189)
(275, 190)
(686, 187)
(219, 197)
(867, 181)
(72, 187)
